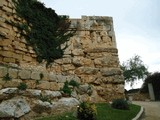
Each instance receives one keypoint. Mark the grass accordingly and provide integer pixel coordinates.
(104, 112)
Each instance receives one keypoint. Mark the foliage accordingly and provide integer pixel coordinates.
(104, 112)
(22, 86)
(134, 69)
(46, 31)
(45, 99)
(37, 82)
(120, 104)
(155, 80)
(74, 83)
(66, 89)
(7, 77)
(86, 111)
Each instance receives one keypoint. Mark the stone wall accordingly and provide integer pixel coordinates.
(90, 59)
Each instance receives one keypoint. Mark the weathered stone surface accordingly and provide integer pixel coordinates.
(78, 52)
(13, 73)
(33, 92)
(15, 107)
(8, 91)
(35, 75)
(52, 94)
(25, 74)
(44, 85)
(9, 60)
(12, 83)
(52, 77)
(54, 86)
(68, 102)
(111, 71)
(86, 70)
(3, 71)
(84, 89)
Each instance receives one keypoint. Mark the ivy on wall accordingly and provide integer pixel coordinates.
(46, 31)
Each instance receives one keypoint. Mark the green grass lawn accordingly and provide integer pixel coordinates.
(104, 112)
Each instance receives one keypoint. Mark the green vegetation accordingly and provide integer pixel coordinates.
(7, 77)
(37, 82)
(86, 111)
(120, 104)
(104, 112)
(45, 99)
(74, 83)
(134, 69)
(66, 90)
(44, 30)
(22, 86)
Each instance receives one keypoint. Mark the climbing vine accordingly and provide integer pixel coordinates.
(45, 30)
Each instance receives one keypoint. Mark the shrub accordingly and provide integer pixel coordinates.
(86, 111)
(45, 99)
(120, 104)
(74, 83)
(66, 89)
(7, 77)
(22, 86)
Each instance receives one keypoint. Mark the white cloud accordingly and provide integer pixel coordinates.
(129, 45)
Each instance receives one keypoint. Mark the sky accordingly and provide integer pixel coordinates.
(136, 24)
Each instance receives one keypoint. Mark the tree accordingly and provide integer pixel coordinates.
(155, 80)
(134, 69)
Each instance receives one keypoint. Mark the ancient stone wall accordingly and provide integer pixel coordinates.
(90, 59)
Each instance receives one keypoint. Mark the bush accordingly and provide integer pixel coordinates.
(7, 77)
(86, 111)
(120, 104)
(22, 86)
(66, 89)
(45, 99)
(74, 83)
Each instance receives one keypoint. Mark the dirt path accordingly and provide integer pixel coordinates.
(152, 110)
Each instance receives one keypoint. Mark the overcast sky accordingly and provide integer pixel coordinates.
(136, 24)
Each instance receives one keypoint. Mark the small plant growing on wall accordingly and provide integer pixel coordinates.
(74, 83)
(45, 99)
(66, 90)
(22, 86)
(37, 82)
(7, 77)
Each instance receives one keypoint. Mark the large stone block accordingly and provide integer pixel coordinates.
(35, 75)
(3, 71)
(111, 71)
(7, 53)
(9, 60)
(12, 83)
(15, 108)
(25, 74)
(13, 73)
(44, 85)
(86, 70)
(5, 42)
(54, 86)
